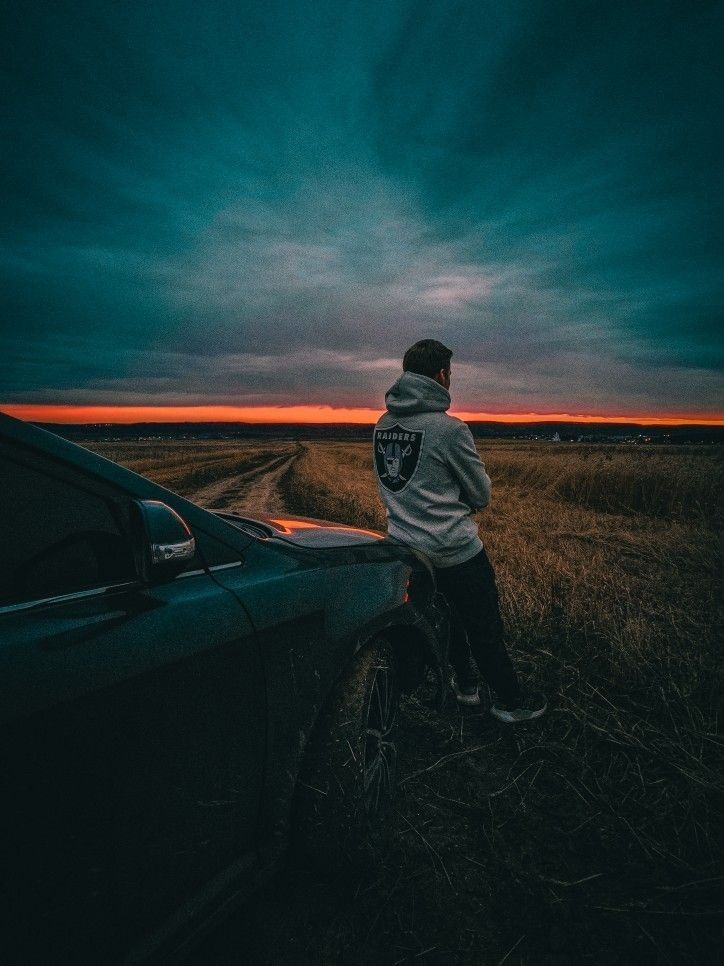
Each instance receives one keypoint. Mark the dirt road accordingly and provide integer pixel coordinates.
(256, 489)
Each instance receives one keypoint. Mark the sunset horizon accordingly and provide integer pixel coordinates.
(312, 415)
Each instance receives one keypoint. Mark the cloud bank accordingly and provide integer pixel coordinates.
(224, 204)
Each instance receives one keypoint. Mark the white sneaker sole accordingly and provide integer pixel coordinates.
(517, 716)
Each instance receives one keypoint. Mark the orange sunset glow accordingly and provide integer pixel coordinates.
(306, 415)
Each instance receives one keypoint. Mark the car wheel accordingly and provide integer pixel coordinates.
(348, 782)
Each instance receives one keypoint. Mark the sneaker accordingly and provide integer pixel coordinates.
(532, 706)
(467, 694)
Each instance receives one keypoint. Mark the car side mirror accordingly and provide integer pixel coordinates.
(163, 541)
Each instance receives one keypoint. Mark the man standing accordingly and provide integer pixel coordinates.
(432, 482)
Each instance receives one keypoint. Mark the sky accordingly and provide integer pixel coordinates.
(257, 205)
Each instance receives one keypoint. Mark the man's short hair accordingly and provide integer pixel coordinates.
(427, 357)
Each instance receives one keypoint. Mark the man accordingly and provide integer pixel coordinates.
(432, 482)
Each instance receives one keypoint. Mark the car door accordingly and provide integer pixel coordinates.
(133, 722)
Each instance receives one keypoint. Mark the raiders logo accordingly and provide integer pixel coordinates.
(397, 455)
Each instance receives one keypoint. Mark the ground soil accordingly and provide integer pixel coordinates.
(254, 489)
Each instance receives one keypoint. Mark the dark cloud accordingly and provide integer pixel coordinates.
(230, 202)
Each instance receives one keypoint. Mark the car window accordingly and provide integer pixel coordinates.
(213, 551)
(56, 537)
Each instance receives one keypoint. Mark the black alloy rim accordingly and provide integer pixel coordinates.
(380, 748)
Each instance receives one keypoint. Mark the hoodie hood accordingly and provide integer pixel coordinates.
(413, 393)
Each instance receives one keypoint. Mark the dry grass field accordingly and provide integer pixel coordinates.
(186, 466)
(592, 835)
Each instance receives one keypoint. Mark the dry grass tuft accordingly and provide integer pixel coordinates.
(333, 481)
(682, 483)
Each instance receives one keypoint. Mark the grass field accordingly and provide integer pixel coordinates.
(186, 466)
(593, 834)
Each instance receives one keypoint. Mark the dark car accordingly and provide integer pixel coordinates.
(184, 693)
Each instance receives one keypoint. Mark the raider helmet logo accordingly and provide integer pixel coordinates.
(397, 455)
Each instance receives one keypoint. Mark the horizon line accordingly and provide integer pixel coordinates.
(66, 414)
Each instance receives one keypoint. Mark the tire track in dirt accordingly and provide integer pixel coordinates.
(256, 489)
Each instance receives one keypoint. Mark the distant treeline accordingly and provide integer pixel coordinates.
(581, 432)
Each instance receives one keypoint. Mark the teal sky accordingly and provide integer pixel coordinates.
(265, 203)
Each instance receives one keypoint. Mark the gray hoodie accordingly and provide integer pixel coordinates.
(429, 474)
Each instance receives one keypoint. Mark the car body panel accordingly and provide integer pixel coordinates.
(309, 531)
(117, 770)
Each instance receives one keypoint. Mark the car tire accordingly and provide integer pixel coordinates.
(347, 785)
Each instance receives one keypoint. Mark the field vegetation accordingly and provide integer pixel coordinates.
(186, 466)
(590, 836)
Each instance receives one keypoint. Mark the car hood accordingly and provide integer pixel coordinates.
(302, 531)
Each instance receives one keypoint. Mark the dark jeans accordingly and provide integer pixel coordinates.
(476, 626)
